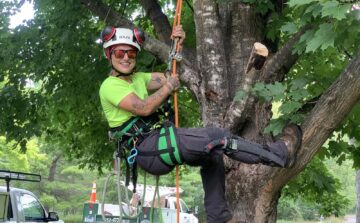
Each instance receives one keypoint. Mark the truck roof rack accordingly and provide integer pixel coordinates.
(8, 175)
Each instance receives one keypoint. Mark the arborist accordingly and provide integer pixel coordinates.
(130, 99)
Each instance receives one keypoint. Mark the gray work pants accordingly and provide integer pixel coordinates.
(192, 146)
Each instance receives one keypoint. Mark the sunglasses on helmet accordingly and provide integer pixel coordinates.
(120, 54)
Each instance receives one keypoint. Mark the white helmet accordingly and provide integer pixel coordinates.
(113, 36)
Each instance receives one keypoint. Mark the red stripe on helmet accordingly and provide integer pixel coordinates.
(110, 35)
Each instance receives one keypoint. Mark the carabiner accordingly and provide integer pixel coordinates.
(132, 156)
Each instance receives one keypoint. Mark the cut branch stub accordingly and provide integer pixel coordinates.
(257, 58)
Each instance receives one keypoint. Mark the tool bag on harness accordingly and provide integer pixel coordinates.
(167, 146)
(139, 128)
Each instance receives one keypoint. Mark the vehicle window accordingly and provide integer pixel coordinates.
(3, 206)
(33, 211)
(183, 207)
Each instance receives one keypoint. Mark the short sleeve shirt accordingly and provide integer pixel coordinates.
(113, 90)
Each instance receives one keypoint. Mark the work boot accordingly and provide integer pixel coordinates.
(292, 136)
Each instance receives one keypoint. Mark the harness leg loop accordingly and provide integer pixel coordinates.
(232, 146)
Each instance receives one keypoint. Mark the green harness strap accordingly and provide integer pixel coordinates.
(168, 146)
(119, 134)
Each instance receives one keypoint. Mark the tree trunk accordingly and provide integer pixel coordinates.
(358, 196)
(52, 170)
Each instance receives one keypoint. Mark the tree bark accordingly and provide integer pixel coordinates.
(159, 20)
(52, 170)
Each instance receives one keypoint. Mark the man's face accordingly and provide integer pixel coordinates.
(123, 58)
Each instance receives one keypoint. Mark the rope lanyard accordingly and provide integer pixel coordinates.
(177, 18)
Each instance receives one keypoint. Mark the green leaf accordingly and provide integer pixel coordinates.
(276, 90)
(275, 126)
(289, 107)
(341, 159)
(323, 38)
(289, 28)
(298, 94)
(315, 10)
(239, 95)
(307, 36)
(297, 3)
(335, 10)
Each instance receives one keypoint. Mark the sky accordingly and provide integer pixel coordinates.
(26, 13)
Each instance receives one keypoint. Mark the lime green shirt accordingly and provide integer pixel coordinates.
(113, 90)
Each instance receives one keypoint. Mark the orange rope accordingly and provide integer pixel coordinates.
(176, 22)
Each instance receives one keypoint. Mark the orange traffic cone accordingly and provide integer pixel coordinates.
(93, 194)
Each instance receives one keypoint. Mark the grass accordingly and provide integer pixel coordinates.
(72, 218)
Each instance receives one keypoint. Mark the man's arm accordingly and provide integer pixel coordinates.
(157, 81)
(132, 103)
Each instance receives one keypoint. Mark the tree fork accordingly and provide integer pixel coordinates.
(256, 60)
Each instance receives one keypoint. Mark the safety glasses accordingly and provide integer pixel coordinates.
(120, 54)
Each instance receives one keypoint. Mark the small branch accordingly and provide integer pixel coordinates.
(234, 117)
(257, 58)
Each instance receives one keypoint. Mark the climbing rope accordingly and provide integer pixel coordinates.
(122, 212)
(177, 20)
(139, 209)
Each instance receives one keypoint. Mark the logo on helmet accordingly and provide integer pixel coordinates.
(124, 37)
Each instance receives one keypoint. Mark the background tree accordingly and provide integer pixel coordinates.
(312, 72)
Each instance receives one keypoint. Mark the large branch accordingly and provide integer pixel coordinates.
(189, 75)
(162, 25)
(158, 19)
(331, 109)
(279, 65)
(106, 13)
